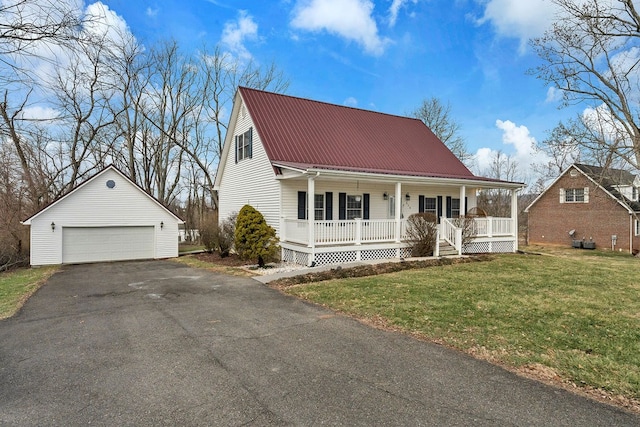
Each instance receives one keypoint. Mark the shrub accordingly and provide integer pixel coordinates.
(208, 234)
(226, 234)
(218, 237)
(422, 232)
(254, 238)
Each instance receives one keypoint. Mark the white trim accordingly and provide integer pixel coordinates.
(228, 138)
(407, 179)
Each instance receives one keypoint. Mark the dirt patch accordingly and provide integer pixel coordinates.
(233, 260)
(370, 270)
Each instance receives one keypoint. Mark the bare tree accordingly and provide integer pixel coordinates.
(497, 202)
(437, 116)
(590, 54)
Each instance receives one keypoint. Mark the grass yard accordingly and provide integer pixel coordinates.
(17, 286)
(217, 266)
(574, 316)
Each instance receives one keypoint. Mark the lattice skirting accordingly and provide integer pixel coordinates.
(489, 247)
(295, 257)
(341, 257)
(405, 252)
(351, 255)
(331, 258)
(372, 254)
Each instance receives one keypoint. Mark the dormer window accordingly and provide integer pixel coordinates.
(244, 146)
(634, 194)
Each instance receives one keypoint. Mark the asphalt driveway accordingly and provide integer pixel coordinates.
(158, 343)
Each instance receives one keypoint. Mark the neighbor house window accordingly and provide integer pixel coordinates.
(455, 208)
(574, 195)
(244, 148)
(354, 207)
(636, 227)
(318, 207)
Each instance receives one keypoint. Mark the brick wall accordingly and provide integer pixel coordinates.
(550, 221)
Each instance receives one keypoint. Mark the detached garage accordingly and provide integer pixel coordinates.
(107, 218)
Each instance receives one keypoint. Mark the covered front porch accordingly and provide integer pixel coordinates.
(331, 220)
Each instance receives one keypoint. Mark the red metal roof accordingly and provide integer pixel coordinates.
(313, 134)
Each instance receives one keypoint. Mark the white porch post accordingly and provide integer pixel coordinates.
(311, 190)
(398, 211)
(463, 205)
(514, 216)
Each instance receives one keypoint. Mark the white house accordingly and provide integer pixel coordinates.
(337, 183)
(106, 218)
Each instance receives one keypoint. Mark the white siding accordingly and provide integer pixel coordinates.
(95, 205)
(250, 181)
(379, 208)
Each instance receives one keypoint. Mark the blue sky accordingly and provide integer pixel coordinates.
(384, 55)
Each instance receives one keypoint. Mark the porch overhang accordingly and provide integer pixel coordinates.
(304, 171)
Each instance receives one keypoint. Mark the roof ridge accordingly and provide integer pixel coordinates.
(328, 103)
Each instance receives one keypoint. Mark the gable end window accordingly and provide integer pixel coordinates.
(244, 145)
(574, 195)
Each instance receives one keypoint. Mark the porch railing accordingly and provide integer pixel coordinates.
(492, 227)
(343, 231)
(384, 230)
(451, 234)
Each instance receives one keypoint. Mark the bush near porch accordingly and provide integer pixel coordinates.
(570, 319)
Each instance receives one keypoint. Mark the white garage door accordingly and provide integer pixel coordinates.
(91, 244)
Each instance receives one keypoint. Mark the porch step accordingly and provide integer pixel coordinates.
(446, 249)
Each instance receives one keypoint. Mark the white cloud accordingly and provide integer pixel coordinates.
(105, 23)
(151, 13)
(350, 19)
(394, 9)
(519, 138)
(520, 146)
(553, 94)
(483, 158)
(39, 113)
(235, 34)
(601, 122)
(518, 18)
(350, 102)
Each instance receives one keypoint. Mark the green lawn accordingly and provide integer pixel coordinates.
(577, 313)
(17, 286)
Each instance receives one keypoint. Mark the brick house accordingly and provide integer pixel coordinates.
(588, 204)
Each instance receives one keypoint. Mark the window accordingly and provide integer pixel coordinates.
(634, 194)
(318, 207)
(636, 226)
(574, 195)
(354, 207)
(455, 208)
(430, 205)
(244, 146)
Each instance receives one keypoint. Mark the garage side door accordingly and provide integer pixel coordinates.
(92, 244)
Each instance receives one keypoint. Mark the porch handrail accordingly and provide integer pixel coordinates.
(356, 231)
(491, 226)
(451, 234)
